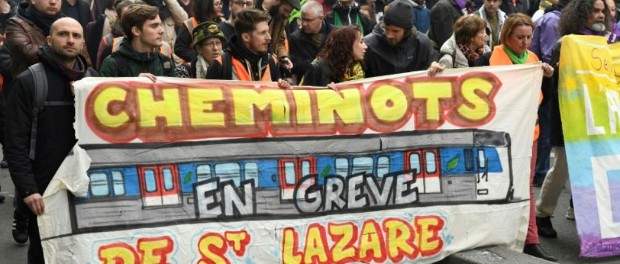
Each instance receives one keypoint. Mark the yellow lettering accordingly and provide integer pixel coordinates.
(246, 101)
(151, 109)
(201, 108)
(101, 107)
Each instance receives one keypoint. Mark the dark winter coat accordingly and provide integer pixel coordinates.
(148, 62)
(55, 133)
(443, 16)
(414, 53)
(302, 49)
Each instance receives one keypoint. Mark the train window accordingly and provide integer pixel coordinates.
(342, 166)
(118, 182)
(383, 166)
(469, 159)
(482, 159)
(414, 162)
(228, 171)
(99, 184)
(431, 163)
(203, 172)
(289, 173)
(150, 180)
(168, 179)
(305, 168)
(362, 165)
(251, 172)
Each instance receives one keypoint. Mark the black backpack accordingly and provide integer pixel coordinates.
(39, 103)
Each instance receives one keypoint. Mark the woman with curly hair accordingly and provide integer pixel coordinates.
(340, 59)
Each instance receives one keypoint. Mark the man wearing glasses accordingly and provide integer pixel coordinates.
(305, 43)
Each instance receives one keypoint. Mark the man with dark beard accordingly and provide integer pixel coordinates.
(596, 14)
(395, 46)
(247, 57)
(62, 64)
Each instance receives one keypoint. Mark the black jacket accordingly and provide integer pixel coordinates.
(55, 133)
(443, 16)
(303, 51)
(84, 14)
(349, 15)
(414, 53)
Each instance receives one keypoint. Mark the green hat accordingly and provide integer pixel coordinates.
(205, 30)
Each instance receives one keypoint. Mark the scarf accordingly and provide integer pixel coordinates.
(354, 72)
(202, 66)
(77, 72)
(516, 59)
(590, 32)
(42, 21)
(471, 55)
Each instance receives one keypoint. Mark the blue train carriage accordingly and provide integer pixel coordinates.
(148, 184)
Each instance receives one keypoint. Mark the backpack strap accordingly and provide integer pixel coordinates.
(40, 94)
(122, 66)
(166, 64)
(39, 103)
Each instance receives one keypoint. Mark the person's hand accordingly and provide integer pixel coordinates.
(283, 84)
(434, 69)
(151, 77)
(547, 70)
(286, 63)
(332, 85)
(35, 203)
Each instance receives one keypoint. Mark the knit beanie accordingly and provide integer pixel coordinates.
(399, 13)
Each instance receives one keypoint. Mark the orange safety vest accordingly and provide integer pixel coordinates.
(190, 24)
(242, 74)
(164, 49)
(500, 57)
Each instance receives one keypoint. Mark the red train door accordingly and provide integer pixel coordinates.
(159, 185)
(290, 172)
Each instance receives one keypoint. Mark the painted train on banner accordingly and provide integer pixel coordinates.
(282, 177)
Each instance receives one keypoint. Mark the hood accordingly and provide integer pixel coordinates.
(378, 30)
(126, 50)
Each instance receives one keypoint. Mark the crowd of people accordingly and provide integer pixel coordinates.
(290, 42)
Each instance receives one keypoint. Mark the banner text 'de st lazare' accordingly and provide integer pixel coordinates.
(392, 239)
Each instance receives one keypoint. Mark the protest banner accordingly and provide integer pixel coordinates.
(589, 107)
(395, 169)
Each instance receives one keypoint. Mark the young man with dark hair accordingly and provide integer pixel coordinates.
(247, 57)
(138, 54)
(62, 64)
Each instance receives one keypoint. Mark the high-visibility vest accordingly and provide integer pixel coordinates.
(164, 49)
(190, 24)
(500, 57)
(240, 72)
